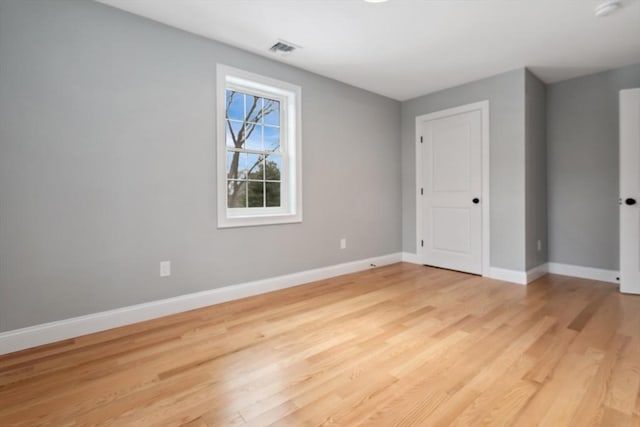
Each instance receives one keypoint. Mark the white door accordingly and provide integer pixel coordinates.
(630, 191)
(452, 187)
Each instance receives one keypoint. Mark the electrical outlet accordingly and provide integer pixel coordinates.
(343, 243)
(539, 245)
(165, 269)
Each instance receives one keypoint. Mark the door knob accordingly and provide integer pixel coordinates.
(476, 201)
(630, 201)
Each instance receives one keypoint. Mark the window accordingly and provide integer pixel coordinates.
(259, 177)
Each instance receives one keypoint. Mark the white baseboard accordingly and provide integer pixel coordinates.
(523, 278)
(519, 277)
(537, 272)
(33, 336)
(584, 272)
(411, 258)
(513, 276)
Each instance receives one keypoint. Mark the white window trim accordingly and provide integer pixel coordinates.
(291, 194)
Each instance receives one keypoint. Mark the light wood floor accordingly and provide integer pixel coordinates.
(397, 345)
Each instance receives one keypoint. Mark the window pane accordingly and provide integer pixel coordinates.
(273, 194)
(254, 137)
(256, 166)
(233, 134)
(237, 194)
(236, 165)
(256, 194)
(271, 138)
(271, 112)
(273, 166)
(235, 105)
(254, 108)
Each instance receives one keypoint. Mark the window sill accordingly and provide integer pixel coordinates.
(251, 221)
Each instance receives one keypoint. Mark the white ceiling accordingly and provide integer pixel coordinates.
(407, 48)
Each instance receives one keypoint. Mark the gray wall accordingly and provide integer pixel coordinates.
(582, 142)
(505, 93)
(107, 166)
(536, 171)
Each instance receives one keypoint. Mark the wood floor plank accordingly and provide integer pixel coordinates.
(624, 382)
(599, 387)
(503, 411)
(397, 345)
(557, 401)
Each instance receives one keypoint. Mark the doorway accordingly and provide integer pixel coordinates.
(452, 177)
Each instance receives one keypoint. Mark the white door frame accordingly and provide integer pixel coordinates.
(483, 107)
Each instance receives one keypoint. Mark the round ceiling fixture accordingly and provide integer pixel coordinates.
(375, 1)
(607, 8)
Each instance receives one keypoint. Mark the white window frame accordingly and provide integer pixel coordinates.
(290, 97)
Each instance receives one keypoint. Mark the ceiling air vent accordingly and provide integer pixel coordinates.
(283, 47)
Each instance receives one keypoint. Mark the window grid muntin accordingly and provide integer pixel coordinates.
(282, 150)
